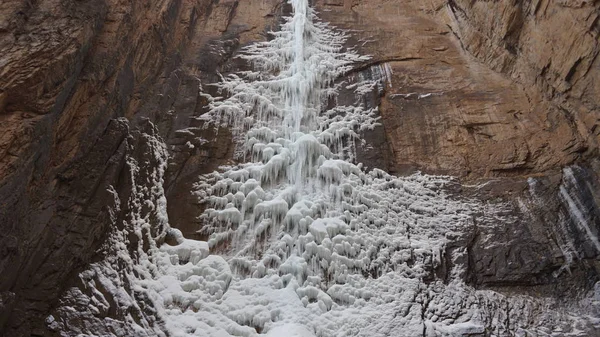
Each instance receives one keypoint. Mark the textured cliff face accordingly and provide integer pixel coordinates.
(550, 46)
(476, 89)
(69, 71)
(467, 96)
(496, 92)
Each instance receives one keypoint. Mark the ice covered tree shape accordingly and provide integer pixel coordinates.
(283, 99)
(294, 145)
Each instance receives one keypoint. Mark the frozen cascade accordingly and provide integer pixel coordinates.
(302, 241)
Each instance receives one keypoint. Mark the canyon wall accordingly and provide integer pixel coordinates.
(80, 83)
(480, 88)
(492, 92)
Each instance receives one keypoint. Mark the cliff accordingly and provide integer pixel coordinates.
(479, 88)
(78, 81)
(502, 94)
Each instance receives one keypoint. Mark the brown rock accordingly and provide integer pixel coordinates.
(447, 112)
(549, 46)
(69, 71)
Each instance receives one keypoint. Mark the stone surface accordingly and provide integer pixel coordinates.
(548, 235)
(450, 108)
(68, 71)
(496, 92)
(492, 91)
(549, 46)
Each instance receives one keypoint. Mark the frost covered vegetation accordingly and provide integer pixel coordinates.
(302, 242)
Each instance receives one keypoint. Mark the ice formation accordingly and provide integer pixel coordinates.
(302, 241)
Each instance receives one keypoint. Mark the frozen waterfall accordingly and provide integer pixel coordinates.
(302, 241)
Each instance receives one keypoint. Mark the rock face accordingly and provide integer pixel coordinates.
(483, 90)
(80, 83)
(496, 92)
(472, 96)
(548, 237)
(525, 42)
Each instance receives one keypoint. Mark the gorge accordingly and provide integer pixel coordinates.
(336, 167)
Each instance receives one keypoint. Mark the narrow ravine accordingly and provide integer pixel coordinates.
(302, 240)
